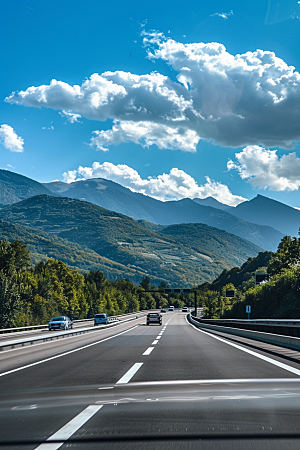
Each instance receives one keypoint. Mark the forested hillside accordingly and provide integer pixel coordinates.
(179, 260)
(278, 298)
(43, 246)
(33, 294)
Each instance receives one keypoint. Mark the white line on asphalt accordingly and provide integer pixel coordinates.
(257, 355)
(129, 374)
(66, 353)
(148, 351)
(70, 428)
(155, 342)
(58, 341)
(158, 337)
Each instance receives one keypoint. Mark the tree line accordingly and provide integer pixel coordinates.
(32, 294)
(277, 298)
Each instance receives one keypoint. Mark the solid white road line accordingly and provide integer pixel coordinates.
(257, 355)
(148, 351)
(63, 354)
(70, 428)
(129, 374)
(155, 342)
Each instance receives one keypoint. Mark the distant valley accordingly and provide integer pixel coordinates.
(97, 223)
(163, 255)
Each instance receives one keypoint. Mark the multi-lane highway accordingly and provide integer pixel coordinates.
(23, 335)
(63, 389)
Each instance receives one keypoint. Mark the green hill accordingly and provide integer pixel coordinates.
(43, 246)
(124, 241)
(238, 275)
(211, 242)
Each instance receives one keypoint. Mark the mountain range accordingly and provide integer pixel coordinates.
(261, 220)
(185, 254)
(115, 197)
(99, 224)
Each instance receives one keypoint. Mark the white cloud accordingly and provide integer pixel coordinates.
(71, 117)
(48, 128)
(10, 140)
(264, 169)
(223, 15)
(146, 134)
(175, 185)
(231, 100)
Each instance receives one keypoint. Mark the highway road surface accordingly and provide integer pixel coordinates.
(37, 332)
(64, 389)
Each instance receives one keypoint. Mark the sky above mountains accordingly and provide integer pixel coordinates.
(171, 100)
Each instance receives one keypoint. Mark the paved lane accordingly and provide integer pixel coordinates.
(16, 335)
(131, 352)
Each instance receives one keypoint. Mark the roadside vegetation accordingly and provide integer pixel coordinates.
(278, 298)
(32, 294)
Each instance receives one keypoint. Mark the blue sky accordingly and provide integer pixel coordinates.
(190, 100)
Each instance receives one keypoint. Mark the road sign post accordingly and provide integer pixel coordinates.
(248, 310)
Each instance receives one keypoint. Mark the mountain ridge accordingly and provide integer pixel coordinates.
(121, 239)
(22, 188)
(267, 211)
(112, 196)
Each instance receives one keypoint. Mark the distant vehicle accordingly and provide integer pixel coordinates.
(171, 308)
(163, 310)
(60, 323)
(154, 318)
(101, 319)
(185, 309)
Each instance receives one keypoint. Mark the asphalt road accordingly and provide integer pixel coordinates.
(68, 382)
(16, 335)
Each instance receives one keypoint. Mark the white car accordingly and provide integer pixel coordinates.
(185, 309)
(60, 323)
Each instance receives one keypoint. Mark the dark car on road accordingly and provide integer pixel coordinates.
(154, 318)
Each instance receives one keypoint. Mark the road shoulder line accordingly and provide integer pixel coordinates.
(250, 352)
(65, 353)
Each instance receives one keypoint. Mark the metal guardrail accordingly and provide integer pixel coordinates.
(269, 338)
(51, 336)
(288, 322)
(35, 327)
(286, 327)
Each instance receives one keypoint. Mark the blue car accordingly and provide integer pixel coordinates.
(101, 319)
(60, 323)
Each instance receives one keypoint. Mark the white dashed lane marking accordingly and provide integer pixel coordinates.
(148, 351)
(70, 428)
(129, 374)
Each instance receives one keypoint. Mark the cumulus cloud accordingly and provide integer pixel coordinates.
(71, 117)
(223, 15)
(10, 140)
(264, 169)
(175, 185)
(231, 100)
(146, 133)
